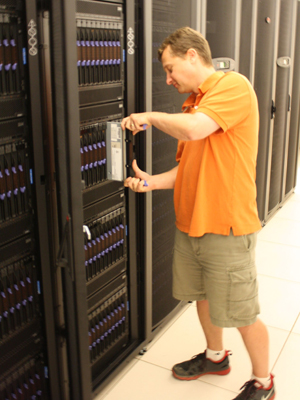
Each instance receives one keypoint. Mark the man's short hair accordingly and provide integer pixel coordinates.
(184, 39)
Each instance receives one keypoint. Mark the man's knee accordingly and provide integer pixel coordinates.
(258, 325)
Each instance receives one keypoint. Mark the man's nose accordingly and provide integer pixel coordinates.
(169, 79)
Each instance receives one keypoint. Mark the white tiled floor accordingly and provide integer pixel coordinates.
(278, 261)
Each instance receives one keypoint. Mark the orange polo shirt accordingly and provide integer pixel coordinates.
(215, 186)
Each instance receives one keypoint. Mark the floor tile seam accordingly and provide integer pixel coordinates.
(288, 331)
(281, 244)
(197, 380)
(295, 333)
(277, 278)
(282, 348)
(156, 365)
(295, 325)
(219, 387)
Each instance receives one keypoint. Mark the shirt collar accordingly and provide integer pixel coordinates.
(209, 83)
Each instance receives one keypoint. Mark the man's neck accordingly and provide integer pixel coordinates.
(205, 73)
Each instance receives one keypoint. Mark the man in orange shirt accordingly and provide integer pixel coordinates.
(215, 205)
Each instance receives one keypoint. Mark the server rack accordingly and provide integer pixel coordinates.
(275, 53)
(28, 352)
(293, 146)
(259, 42)
(284, 63)
(99, 276)
(223, 26)
(264, 85)
(248, 38)
(160, 152)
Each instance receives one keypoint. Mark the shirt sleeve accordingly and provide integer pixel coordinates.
(229, 102)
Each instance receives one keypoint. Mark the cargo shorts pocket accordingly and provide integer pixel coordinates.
(243, 293)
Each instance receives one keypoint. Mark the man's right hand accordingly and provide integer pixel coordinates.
(141, 182)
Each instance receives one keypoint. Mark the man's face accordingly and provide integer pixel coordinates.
(178, 71)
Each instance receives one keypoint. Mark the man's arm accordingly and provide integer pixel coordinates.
(165, 180)
(181, 126)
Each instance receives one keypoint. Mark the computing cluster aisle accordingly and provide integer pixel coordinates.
(85, 264)
(149, 377)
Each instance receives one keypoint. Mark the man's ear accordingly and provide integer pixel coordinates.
(192, 55)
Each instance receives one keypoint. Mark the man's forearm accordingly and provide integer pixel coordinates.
(165, 180)
(178, 126)
(185, 127)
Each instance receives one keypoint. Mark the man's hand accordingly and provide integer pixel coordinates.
(136, 122)
(141, 183)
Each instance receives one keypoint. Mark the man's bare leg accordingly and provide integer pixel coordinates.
(213, 334)
(256, 340)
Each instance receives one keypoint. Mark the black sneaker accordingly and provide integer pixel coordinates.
(254, 392)
(199, 365)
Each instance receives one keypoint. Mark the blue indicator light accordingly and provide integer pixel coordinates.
(24, 56)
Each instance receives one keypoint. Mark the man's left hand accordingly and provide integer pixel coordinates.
(136, 122)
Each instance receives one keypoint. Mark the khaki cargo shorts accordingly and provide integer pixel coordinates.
(220, 269)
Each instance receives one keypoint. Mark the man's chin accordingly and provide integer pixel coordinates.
(180, 90)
